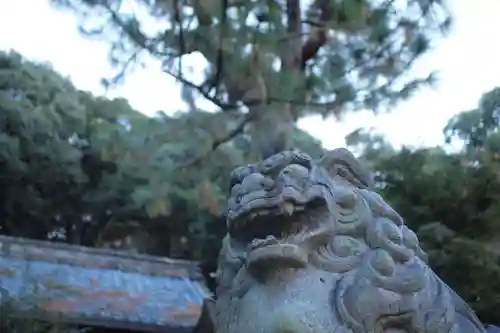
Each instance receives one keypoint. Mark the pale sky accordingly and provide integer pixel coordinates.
(468, 62)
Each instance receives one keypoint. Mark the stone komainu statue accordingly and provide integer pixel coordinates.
(312, 248)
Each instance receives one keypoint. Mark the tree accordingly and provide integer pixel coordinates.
(281, 59)
(478, 128)
(39, 116)
(93, 171)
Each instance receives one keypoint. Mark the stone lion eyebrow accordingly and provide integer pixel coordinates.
(342, 156)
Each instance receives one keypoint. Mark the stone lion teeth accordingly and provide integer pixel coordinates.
(256, 241)
(299, 208)
(289, 208)
(259, 242)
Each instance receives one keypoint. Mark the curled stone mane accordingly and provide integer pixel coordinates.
(312, 248)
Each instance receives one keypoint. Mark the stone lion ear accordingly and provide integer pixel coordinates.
(341, 162)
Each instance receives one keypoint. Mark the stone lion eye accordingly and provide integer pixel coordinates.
(302, 160)
(341, 171)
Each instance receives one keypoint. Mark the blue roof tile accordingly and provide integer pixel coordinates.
(101, 287)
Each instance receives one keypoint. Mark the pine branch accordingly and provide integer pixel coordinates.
(312, 46)
(216, 143)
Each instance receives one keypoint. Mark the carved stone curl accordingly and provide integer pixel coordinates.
(312, 248)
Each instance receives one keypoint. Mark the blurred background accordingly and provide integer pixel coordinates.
(121, 120)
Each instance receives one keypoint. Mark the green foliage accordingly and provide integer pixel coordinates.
(478, 128)
(38, 119)
(91, 171)
(322, 57)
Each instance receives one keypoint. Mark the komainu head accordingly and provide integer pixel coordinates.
(312, 248)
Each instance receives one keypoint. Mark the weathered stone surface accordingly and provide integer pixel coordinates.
(312, 248)
(100, 287)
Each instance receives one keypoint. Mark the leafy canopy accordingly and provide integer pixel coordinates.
(282, 59)
(90, 170)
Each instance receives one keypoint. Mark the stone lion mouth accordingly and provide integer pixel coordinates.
(266, 231)
(395, 323)
(267, 222)
(279, 220)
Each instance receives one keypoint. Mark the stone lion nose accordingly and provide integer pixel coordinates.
(256, 182)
